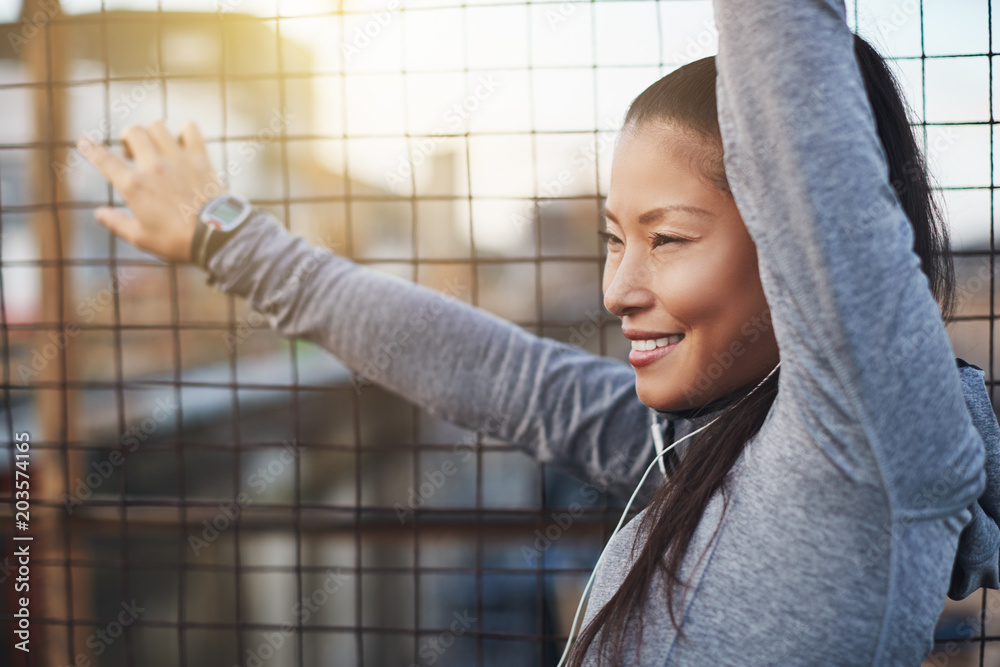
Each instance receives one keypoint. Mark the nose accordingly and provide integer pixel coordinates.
(629, 290)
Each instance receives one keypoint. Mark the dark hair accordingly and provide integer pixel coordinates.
(685, 98)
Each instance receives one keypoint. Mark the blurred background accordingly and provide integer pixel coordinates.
(443, 143)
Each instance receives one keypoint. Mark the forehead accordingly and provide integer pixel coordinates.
(659, 165)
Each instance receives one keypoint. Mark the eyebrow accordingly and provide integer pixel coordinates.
(658, 213)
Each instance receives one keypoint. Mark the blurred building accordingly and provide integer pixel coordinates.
(250, 90)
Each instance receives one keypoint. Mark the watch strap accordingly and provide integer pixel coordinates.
(198, 242)
(214, 241)
(207, 240)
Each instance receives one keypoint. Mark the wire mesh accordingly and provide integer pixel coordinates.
(204, 492)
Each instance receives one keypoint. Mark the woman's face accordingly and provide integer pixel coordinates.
(680, 261)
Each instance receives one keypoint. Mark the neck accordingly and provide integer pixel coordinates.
(702, 414)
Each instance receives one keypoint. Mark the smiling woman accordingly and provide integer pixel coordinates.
(805, 167)
(740, 238)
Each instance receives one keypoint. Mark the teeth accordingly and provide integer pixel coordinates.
(653, 343)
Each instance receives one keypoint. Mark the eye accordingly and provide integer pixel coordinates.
(608, 238)
(658, 239)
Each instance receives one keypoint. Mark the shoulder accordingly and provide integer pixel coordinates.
(979, 403)
(962, 363)
(973, 381)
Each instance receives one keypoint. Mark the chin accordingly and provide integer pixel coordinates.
(659, 398)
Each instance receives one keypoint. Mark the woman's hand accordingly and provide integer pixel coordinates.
(165, 187)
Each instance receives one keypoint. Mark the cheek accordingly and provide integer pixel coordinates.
(696, 290)
(711, 289)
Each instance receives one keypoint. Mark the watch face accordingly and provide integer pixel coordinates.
(226, 214)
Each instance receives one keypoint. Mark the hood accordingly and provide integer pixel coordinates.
(977, 559)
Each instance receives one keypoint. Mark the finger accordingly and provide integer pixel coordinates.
(192, 140)
(139, 144)
(114, 168)
(162, 138)
(118, 222)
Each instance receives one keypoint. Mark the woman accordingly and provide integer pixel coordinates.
(767, 205)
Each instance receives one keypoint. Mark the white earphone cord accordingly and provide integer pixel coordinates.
(658, 458)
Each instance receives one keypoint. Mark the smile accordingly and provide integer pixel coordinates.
(646, 351)
(653, 343)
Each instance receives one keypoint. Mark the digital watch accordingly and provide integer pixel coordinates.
(218, 220)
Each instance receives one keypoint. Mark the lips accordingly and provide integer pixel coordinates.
(640, 358)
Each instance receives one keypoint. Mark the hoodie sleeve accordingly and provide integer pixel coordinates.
(559, 403)
(865, 357)
(977, 562)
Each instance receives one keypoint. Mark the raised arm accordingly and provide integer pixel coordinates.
(865, 356)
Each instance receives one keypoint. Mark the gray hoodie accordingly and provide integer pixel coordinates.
(878, 461)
